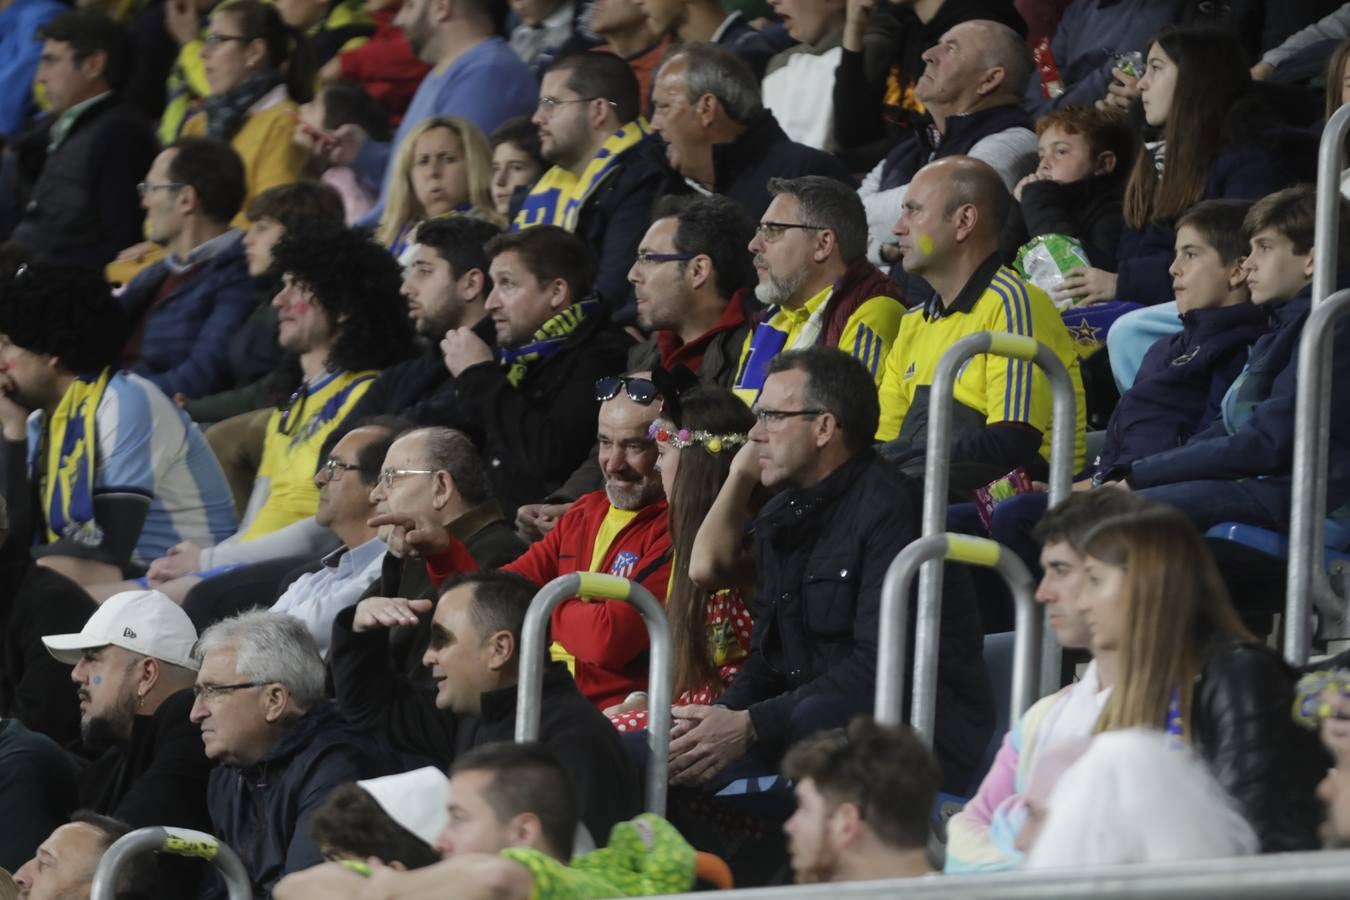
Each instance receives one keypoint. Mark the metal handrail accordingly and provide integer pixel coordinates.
(1318, 875)
(1327, 222)
(895, 614)
(179, 842)
(1307, 578)
(1063, 427)
(661, 680)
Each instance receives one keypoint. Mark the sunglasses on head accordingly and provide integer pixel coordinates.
(639, 390)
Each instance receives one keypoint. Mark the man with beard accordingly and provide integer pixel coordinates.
(532, 400)
(810, 253)
(475, 75)
(863, 798)
(134, 667)
(621, 531)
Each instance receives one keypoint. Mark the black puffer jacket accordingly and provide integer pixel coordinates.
(1244, 731)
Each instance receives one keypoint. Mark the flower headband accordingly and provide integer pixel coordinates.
(662, 432)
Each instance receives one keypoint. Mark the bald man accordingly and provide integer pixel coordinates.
(948, 233)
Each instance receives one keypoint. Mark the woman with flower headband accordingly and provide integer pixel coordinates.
(696, 439)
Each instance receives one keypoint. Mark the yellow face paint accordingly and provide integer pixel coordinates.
(926, 244)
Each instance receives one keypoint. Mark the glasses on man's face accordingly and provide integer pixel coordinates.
(387, 476)
(771, 418)
(646, 258)
(332, 467)
(549, 105)
(772, 231)
(209, 692)
(214, 40)
(639, 390)
(146, 187)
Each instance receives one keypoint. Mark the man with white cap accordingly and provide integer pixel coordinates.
(134, 667)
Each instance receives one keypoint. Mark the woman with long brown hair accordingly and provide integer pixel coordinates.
(696, 439)
(1187, 666)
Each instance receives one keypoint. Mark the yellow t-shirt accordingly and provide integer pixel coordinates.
(615, 520)
(867, 336)
(1000, 389)
(264, 143)
(291, 448)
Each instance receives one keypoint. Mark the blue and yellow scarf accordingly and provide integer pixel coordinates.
(72, 445)
(558, 196)
(547, 341)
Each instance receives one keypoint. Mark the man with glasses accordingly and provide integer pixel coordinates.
(82, 206)
(607, 167)
(821, 550)
(134, 667)
(809, 252)
(184, 309)
(279, 744)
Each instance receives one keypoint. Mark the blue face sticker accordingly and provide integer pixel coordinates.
(98, 679)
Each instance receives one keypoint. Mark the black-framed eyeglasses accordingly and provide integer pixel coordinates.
(549, 105)
(209, 692)
(645, 258)
(214, 39)
(768, 417)
(146, 187)
(772, 231)
(639, 390)
(332, 466)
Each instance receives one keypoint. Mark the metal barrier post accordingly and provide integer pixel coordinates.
(1327, 223)
(661, 682)
(937, 465)
(1307, 582)
(895, 615)
(178, 841)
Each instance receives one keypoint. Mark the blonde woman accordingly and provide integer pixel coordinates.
(443, 167)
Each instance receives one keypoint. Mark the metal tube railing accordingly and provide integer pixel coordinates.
(1327, 223)
(1307, 576)
(1063, 428)
(895, 616)
(179, 842)
(661, 681)
(1320, 875)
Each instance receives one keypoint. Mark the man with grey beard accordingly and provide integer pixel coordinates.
(620, 530)
(810, 252)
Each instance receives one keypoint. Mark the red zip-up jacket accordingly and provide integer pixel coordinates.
(607, 637)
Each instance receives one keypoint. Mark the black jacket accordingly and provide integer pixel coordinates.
(614, 219)
(587, 745)
(874, 105)
(821, 554)
(83, 208)
(742, 169)
(36, 601)
(1243, 730)
(37, 791)
(535, 434)
(1088, 210)
(263, 810)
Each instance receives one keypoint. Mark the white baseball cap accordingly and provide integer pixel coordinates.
(417, 800)
(144, 622)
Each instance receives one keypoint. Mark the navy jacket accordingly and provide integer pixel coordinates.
(1181, 383)
(743, 168)
(263, 811)
(1262, 443)
(1246, 171)
(186, 342)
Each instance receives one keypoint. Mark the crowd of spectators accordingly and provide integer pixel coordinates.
(333, 330)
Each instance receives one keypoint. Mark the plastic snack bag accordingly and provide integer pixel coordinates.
(1043, 260)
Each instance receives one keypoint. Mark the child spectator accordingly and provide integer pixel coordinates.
(335, 105)
(443, 167)
(1239, 468)
(517, 163)
(1078, 187)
